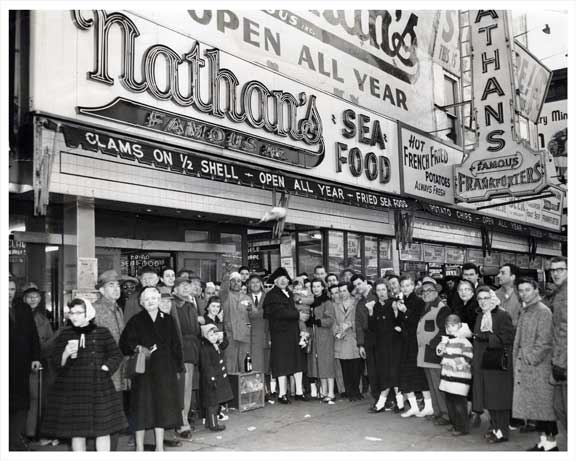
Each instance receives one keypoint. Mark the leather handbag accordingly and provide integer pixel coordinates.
(136, 363)
(496, 358)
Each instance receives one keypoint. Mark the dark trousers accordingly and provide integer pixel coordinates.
(212, 416)
(547, 427)
(458, 411)
(351, 372)
(500, 419)
(370, 348)
(17, 424)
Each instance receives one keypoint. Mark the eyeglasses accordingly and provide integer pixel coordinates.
(76, 313)
(484, 299)
(558, 269)
(465, 289)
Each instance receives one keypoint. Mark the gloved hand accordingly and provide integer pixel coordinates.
(559, 373)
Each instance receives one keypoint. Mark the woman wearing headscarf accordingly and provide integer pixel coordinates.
(154, 399)
(492, 389)
(83, 402)
(321, 356)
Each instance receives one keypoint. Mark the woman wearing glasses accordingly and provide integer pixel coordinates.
(83, 402)
(492, 389)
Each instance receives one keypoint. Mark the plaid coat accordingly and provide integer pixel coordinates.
(83, 402)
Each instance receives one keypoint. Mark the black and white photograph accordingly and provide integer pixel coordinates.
(241, 231)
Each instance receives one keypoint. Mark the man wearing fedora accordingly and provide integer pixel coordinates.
(109, 315)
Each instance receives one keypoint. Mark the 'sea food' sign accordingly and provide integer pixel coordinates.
(500, 164)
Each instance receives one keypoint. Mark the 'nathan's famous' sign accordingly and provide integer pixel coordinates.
(500, 164)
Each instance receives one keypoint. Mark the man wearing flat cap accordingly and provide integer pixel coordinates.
(236, 307)
(286, 356)
(109, 315)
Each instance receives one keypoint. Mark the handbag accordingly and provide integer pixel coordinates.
(136, 363)
(495, 358)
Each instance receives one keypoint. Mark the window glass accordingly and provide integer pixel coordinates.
(354, 260)
(385, 256)
(235, 257)
(371, 256)
(309, 251)
(335, 251)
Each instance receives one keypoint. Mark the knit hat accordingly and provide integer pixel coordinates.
(207, 329)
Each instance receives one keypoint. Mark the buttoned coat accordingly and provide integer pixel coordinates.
(345, 347)
(236, 315)
(321, 356)
(431, 328)
(533, 393)
(559, 306)
(214, 386)
(259, 336)
(286, 356)
(412, 378)
(110, 316)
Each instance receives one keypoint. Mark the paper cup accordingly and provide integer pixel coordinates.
(73, 341)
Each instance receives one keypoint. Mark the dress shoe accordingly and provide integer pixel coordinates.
(173, 443)
(185, 435)
(476, 420)
(541, 448)
(284, 400)
(374, 409)
(302, 398)
(440, 421)
(410, 412)
(217, 428)
(495, 439)
(528, 427)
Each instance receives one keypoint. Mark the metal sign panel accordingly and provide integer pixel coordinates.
(447, 43)
(150, 80)
(500, 164)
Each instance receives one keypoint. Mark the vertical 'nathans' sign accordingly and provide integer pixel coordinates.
(500, 163)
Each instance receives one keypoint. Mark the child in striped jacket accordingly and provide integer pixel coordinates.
(456, 352)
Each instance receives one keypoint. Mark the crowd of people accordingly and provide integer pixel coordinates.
(152, 356)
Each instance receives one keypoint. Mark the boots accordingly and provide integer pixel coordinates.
(212, 419)
(413, 407)
(427, 410)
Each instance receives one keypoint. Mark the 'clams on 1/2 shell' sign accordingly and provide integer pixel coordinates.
(426, 165)
(500, 164)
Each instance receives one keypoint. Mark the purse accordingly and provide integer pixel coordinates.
(136, 364)
(495, 358)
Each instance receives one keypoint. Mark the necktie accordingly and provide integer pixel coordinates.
(256, 300)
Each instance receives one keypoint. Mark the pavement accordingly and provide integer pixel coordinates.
(345, 426)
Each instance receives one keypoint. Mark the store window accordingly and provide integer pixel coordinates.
(335, 252)
(371, 257)
(450, 100)
(309, 251)
(235, 257)
(354, 256)
(385, 256)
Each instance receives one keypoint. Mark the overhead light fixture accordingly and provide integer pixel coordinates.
(546, 30)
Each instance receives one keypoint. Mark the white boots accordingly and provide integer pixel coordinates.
(427, 410)
(413, 406)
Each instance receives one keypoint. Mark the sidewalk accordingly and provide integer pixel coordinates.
(346, 426)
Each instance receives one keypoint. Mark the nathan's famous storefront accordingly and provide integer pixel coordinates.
(151, 148)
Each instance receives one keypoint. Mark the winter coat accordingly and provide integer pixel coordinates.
(236, 315)
(456, 375)
(321, 356)
(83, 402)
(466, 311)
(188, 329)
(412, 377)
(214, 386)
(154, 399)
(364, 336)
(559, 306)
(24, 348)
(492, 389)
(109, 315)
(286, 356)
(345, 346)
(386, 328)
(429, 333)
(510, 303)
(533, 393)
(259, 336)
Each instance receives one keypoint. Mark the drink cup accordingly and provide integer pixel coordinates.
(74, 342)
(444, 339)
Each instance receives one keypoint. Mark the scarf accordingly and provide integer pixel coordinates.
(486, 322)
(318, 300)
(83, 331)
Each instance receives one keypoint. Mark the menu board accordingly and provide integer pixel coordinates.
(507, 258)
(411, 252)
(455, 255)
(474, 255)
(523, 261)
(536, 263)
(492, 259)
(433, 253)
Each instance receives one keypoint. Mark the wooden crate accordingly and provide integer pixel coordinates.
(248, 390)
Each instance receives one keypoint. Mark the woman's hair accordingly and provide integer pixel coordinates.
(465, 281)
(322, 282)
(213, 299)
(482, 288)
(77, 302)
(141, 292)
(347, 285)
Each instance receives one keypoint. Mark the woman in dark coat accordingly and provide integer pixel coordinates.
(24, 355)
(492, 388)
(154, 401)
(412, 378)
(83, 401)
(214, 383)
(286, 356)
(385, 322)
(464, 303)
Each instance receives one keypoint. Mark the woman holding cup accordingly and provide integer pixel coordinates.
(83, 402)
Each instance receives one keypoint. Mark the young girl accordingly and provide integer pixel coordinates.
(215, 387)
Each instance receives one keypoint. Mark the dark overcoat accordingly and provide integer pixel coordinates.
(23, 349)
(214, 382)
(286, 356)
(154, 399)
(492, 389)
(466, 311)
(321, 356)
(412, 377)
(387, 343)
(83, 401)
(259, 337)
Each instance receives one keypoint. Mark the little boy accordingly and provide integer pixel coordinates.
(216, 387)
(456, 352)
